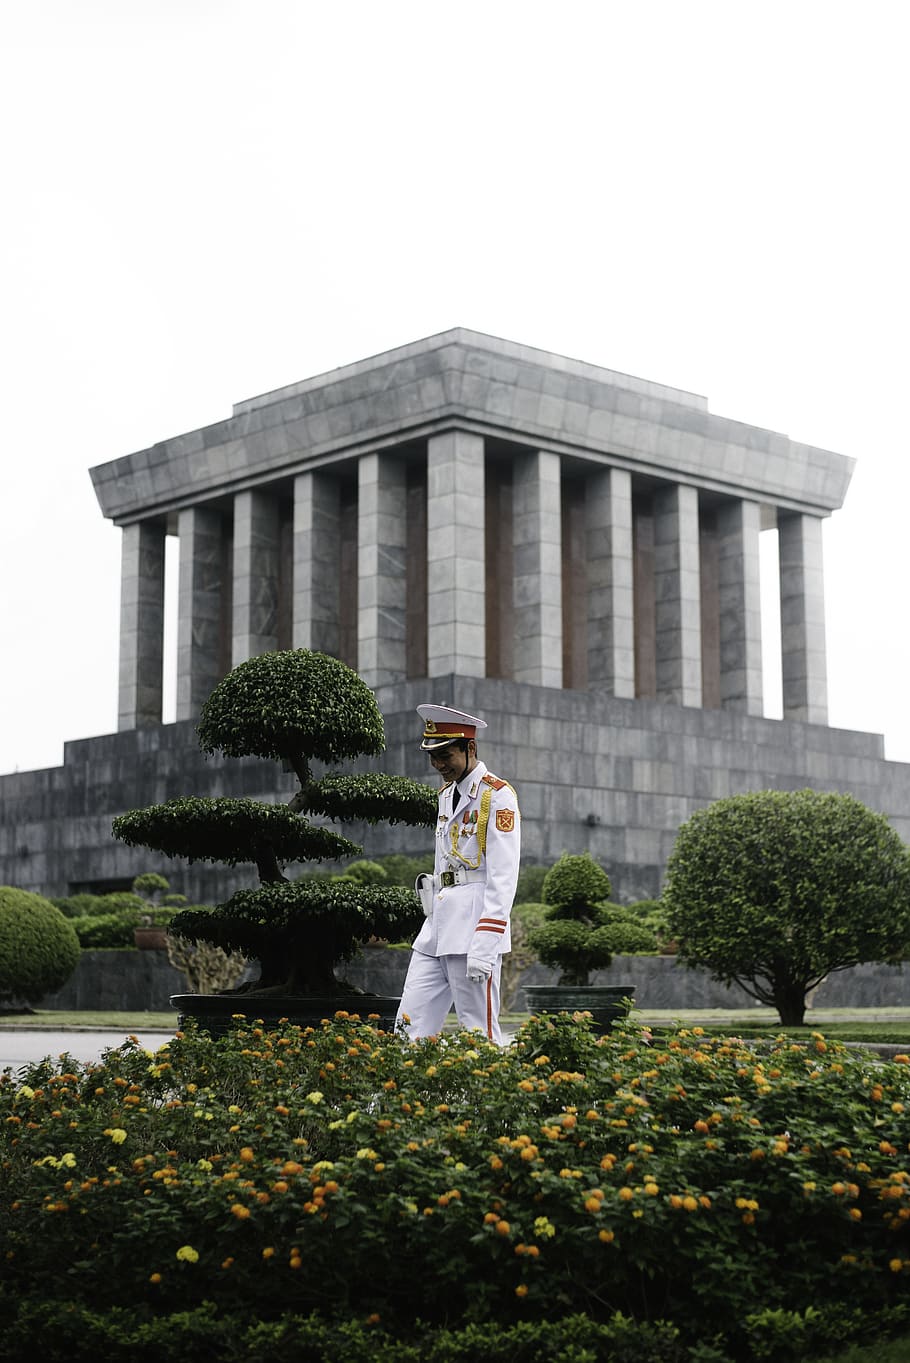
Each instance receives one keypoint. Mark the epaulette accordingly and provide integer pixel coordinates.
(494, 781)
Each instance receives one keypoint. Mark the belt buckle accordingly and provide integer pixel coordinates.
(447, 878)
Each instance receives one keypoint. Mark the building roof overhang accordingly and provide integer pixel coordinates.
(498, 388)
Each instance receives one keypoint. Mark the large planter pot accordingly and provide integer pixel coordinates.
(607, 1003)
(216, 1013)
(150, 939)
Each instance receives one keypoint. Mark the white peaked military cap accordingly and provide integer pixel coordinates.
(443, 725)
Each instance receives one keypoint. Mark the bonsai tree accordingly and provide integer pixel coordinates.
(582, 930)
(39, 948)
(774, 890)
(297, 707)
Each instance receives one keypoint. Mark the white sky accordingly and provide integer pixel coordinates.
(206, 199)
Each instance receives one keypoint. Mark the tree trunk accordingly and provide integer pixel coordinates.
(790, 1002)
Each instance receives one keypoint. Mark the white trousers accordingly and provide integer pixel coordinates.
(434, 984)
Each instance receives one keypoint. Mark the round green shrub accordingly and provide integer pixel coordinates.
(38, 946)
(364, 873)
(575, 884)
(291, 704)
(774, 890)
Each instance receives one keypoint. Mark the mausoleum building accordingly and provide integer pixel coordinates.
(569, 551)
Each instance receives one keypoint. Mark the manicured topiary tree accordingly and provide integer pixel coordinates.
(583, 930)
(774, 890)
(297, 707)
(38, 948)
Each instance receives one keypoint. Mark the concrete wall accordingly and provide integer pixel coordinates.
(135, 981)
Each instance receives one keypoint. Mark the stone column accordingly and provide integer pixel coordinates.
(738, 524)
(200, 608)
(255, 594)
(141, 625)
(537, 569)
(802, 618)
(317, 562)
(382, 521)
(677, 595)
(456, 626)
(611, 633)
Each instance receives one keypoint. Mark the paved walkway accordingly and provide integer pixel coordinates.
(23, 1047)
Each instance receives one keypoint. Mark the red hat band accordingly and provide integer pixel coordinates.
(439, 731)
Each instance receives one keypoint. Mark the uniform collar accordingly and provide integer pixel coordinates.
(469, 783)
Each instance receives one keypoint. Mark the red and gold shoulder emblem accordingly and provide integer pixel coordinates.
(494, 781)
(505, 820)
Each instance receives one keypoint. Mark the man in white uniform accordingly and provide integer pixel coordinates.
(457, 955)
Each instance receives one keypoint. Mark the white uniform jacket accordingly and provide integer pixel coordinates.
(481, 842)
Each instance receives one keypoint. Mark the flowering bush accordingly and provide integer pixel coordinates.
(719, 1187)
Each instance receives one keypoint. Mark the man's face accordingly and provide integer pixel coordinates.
(451, 762)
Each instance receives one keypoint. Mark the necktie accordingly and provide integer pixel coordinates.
(456, 796)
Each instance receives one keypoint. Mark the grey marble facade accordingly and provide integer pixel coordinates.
(569, 551)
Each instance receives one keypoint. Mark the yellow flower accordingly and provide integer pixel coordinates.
(188, 1254)
(315, 1097)
(155, 1278)
(366, 1153)
(205, 1165)
(117, 1134)
(268, 1252)
(544, 1228)
(895, 1265)
(521, 1290)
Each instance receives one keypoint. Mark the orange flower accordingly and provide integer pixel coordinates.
(240, 1211)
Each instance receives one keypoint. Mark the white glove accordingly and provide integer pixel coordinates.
(478, 970)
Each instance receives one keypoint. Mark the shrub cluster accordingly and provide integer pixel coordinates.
(581, 931)
(38, 947)
(712, 1185)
